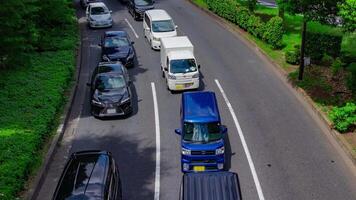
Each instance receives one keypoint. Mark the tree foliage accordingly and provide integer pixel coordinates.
(348, 14)
(24, 22)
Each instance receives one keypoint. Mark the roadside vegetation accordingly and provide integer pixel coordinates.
(330, 80)
(37, 62)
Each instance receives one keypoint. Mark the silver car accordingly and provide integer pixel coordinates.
(98, 15)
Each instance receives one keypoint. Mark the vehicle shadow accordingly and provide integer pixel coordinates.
(228, 153)
(136, 165)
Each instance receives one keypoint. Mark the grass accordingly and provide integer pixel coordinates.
(31, 98)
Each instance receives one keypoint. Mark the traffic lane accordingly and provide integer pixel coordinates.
(132, 139)
(169, 105)
(261, 99)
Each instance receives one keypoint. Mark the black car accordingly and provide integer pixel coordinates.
(85, 3)
(117, 46)
(138, 7)
(89, 175)
(110, 90)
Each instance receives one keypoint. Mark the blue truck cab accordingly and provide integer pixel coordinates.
(202, 135)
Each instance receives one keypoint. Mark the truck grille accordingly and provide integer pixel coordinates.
(203, 152)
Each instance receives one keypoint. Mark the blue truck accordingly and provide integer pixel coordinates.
(202, 135)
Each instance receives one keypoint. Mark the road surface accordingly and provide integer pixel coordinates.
(281, 151)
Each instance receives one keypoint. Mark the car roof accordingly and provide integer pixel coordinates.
(110, 67)
(200, 107)
(158, 14)
(115, 33)
(84, 176)
(211, 186)
(97, 4)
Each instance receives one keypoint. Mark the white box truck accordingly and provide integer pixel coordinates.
(178, 64)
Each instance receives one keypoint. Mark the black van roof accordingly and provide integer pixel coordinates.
(211, 186)
(84, 176)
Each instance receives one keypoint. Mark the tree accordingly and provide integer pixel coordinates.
(18, 31)
(323, 11)
(281, 7)
(251, 4)
(348, 14)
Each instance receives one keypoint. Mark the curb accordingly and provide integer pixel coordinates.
(241, 34)
(41, 175)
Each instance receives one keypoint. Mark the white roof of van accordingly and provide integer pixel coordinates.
(158, 14)
(98, 4)
(177, 55)
(176, 42)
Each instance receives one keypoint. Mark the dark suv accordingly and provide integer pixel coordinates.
(110, 90)
(117, 46)
(138, 7)
(89, 175)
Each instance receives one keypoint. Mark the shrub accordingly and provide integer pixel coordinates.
(270, 32)
(344, 117)
(293, 57)
(327, 60)
(318, 44)
(351, 81)
(336, 66)
(273, 32)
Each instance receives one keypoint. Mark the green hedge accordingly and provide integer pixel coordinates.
(344, 117)
(318, 44)
(270, 32)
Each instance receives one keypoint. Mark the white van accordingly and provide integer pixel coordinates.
(178, 63)
(158, 24)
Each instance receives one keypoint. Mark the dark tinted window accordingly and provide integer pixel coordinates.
(111, 42)
(183, 66)
(109, 82)
(84, 178)
(143, 2)
(202, 132)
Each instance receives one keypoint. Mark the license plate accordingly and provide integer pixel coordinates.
(199, 168)
(188, 85)
(111, 111)
(180, 87)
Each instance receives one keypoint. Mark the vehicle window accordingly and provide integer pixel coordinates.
(143, 2)
(111, 42)
(99, 10)
(110, 68)
(109, 82)
(183, 66)
(201, 132)
(163, 26)
(146, 20)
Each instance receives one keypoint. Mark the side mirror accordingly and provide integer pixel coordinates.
(110, 11)
(178, 131)
(147, 29)
(132, 42)
(88, 84)
(223, 129)
(130, 82)
(198, 66)
(99, 44)
(176, 27)
(165, 69)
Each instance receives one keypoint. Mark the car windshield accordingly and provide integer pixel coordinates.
(183, 66)
(163, 26)
(109, 82)
(112, 42)
(143, 2)
(99, 10)
(201, 132)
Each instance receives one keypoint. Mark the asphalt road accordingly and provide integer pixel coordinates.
(292, 157)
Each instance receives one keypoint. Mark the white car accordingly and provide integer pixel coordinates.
(98, 15)
(158, 24)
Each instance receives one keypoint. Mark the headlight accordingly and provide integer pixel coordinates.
(124, 100)
(186, 151)
(96, 102)
(106, 58)
(91, 19)
(172, 77)
(155, 38)
(220, 151)
(195, 75)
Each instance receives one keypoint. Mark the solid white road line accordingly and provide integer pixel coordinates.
(243, 141)
(133, 30)
(158, 143)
